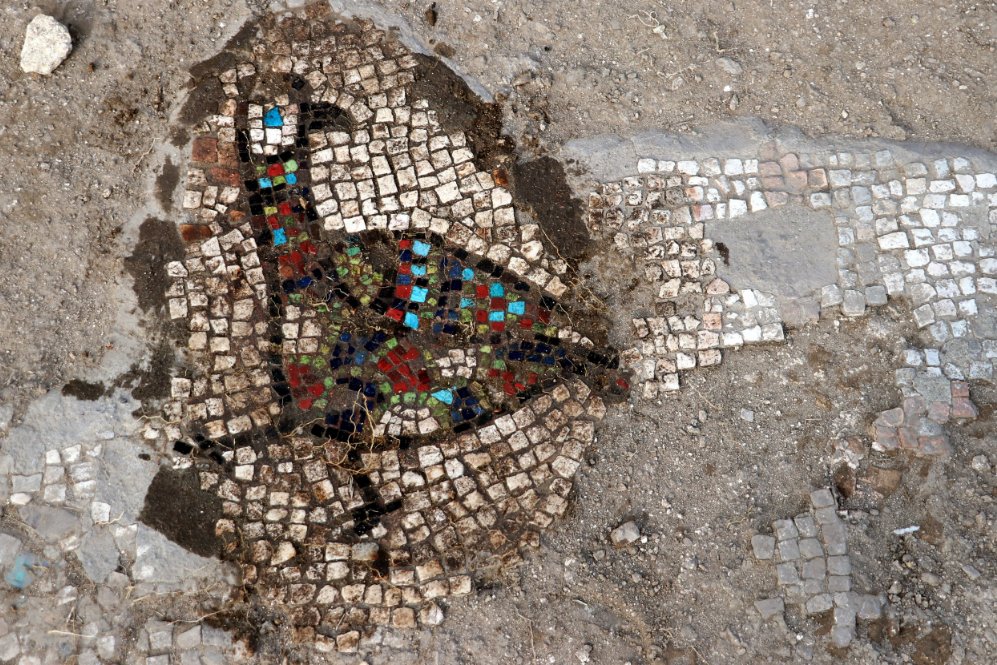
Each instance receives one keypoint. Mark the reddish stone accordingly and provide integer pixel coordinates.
(193, 232)
(934, 445)
(855, 445)
(960, 389)
(768, 151)
(789, 162)
(717, 287)
(713, 321)
(205, 150)
(884, 481)
(501, 177)
(769, 169)
(796, 181)
(908, 438)
(890, 418)
(223, 176)
(886, 437)
(776, 199)
(938, 412)
(773, 183)
(963, 407)
(818, 179)
(228, 155)
(844, 480)
(914, 406)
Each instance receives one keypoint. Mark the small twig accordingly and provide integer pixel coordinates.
(529, 624)
(145, 154)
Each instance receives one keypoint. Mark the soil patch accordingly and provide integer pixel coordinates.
(158, 244)
(206, 90)
(458, 108)
(541, 188)
(166, 184)
(177, 508)
(152, 382)
(83, 390)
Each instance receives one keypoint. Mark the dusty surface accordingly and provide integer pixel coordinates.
(92, 152)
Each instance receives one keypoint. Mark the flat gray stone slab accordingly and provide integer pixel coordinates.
(789, 251)
(770, 607)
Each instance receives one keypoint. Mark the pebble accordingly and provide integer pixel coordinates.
(624, 534)
(732, 67)
(9, 647)
(46, 44)
(748, 415)
(763, 546)
(9, 547)
(906, 530)
(189, 639)
(972, 572)
(770, 607)
(980, 464)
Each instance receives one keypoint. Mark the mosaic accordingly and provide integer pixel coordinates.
(385, 376)
(907, 231)
(813, 569)
(385, 385)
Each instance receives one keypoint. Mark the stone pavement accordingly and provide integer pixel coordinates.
(81, 575)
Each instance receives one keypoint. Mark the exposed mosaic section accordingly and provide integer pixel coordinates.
(915, 231)
(658, 219)
(383, 369)
(385, 387)
(813, 569)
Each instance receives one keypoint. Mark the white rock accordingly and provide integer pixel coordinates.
(624, 534)
(9, 647)
(46, 44)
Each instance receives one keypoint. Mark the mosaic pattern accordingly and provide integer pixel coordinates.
(658, 219)
(385, 387)
(383, 369)
(907, 230)
(813, 569)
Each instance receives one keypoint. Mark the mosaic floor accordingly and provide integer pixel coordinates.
(919, 232)
(385, 387)
(390, 375)
(383, 369)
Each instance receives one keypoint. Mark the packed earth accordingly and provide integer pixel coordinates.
(340, 333)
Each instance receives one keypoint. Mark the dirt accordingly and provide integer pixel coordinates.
(903, 70)
(84, 390)
(150, 381)
(176, 507)
(166, 184)
(541, 189)
(460, 109)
